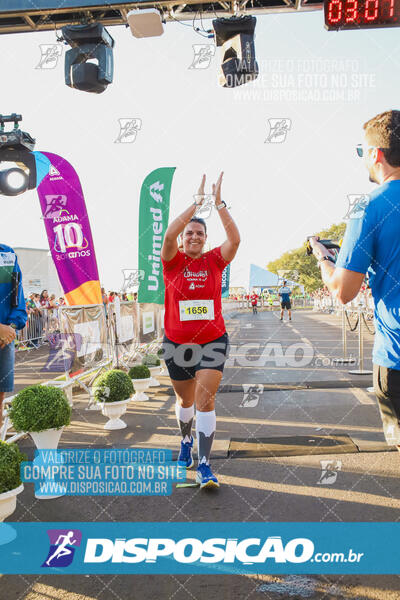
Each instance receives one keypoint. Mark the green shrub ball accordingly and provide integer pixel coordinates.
(10, 460)
(151, 360)
(139, 372)
(39, 407)
(113, 386)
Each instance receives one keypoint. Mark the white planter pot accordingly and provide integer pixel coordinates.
(114, 410)
(47, 440)
(140, 385)
(8, 502)
(155, 371)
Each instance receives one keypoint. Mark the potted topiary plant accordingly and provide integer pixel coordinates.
(141, 377)
(154, 364)
(113, 389)
(10, 482)
(43, 412)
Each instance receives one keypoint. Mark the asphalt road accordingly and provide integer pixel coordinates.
(280, 382)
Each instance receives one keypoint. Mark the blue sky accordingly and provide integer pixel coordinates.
(279, 192)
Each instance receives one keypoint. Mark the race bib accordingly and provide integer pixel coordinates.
(7, 259)
(196, 310)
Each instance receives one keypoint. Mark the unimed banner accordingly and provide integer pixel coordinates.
(68, 229)
(153, 222)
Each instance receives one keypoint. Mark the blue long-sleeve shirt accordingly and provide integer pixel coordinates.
(8, 313)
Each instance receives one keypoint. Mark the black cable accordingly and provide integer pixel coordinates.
(196, 30)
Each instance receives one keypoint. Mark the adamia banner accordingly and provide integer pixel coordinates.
(68, 229)
(153, 222)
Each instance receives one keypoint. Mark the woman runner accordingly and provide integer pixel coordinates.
(195, 341)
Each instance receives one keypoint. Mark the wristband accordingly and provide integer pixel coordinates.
(222, 205)
(325, 258)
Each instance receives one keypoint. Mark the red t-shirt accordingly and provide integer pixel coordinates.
(189, 278)
(254, 299)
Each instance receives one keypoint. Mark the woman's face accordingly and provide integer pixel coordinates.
(45, 294)
(194, 238)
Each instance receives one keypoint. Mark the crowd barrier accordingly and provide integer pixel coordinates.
(39, 327)
(329, 304)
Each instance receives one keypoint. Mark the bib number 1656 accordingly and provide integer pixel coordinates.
(195, 310)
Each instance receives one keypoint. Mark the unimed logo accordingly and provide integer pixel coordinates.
(190, 550)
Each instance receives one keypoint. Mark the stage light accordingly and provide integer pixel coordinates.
(13, 182)
(15, 147)
(90, 42)
(236, 37)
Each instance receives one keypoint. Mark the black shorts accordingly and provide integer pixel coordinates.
(286, 304)
(183, 360)
(387, 390)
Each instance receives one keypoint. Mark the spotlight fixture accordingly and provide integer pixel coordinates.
(13, 182)
(236, 36)
(15, 147)
(89, 42)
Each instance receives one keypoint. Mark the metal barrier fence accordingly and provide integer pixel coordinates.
(39, 327)
(329, 304)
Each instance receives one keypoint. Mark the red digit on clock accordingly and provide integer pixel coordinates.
(351, 11)
(335, 6)
(371, 10)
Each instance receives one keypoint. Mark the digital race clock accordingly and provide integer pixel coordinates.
(361, 14)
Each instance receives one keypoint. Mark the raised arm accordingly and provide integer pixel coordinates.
(231, 244)
(170, 243)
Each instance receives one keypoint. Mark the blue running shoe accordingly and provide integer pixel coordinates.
(205, 477)
(185, 455)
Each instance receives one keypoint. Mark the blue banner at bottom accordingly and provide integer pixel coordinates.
(193, 548)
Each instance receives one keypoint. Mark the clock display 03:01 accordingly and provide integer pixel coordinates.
(361, 14)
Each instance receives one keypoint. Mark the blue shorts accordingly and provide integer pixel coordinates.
(7, 368)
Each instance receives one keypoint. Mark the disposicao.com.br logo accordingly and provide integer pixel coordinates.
(62, 547)
(210, 551)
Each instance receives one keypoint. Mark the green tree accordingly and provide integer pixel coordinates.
(306, 266)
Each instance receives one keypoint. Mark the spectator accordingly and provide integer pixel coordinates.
(371, 244)
(13, 316)
(44, 299)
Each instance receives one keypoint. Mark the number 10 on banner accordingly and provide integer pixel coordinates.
(68, 236)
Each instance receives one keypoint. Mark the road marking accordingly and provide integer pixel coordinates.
(362, 396)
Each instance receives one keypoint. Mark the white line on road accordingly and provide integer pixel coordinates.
(362, 396)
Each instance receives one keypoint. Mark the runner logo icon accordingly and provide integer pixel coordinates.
(63, 543)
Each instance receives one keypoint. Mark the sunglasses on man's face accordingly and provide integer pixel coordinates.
(360, 149)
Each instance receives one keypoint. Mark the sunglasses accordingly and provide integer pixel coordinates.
(360, 148)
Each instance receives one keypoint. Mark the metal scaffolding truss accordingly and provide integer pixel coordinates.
(17, 16)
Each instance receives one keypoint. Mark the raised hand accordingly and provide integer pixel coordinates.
(200, 194)
(216, 189)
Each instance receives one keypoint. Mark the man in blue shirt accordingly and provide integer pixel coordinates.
(372, 244)
(284, 293)
(13, 316)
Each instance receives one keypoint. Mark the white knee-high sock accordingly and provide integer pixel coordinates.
(206, 423)
(185, 420)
